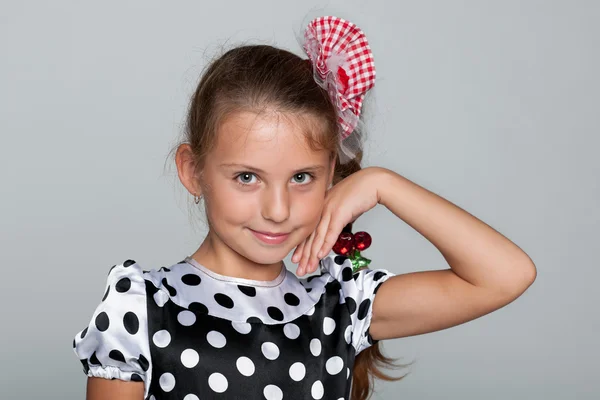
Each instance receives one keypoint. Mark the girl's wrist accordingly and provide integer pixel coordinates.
(382, 178)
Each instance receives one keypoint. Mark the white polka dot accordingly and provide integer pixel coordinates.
(161, 338)
(270, 350)
(315, 347)
(245, 366)
(217, 382)
(311, 311)
(152, 397)
(334, 365)
(317, 390)
(160, 298)
(189, 358)
(348, 334)
(186, 318)
(291, 331)
(166, 381)
(272, 392)
(328, 325)
(242, 327)
(191, 397)
(297, 371)
(347, 373)
(216, 339)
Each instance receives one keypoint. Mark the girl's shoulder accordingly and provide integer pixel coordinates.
(357, 292)
(114, 344)
(341, 269)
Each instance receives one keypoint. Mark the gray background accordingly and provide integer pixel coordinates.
(492, 105)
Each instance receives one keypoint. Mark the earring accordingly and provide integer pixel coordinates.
(197, 199)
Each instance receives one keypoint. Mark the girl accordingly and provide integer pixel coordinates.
(273, 148)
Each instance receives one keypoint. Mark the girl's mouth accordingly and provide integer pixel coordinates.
(270, 237)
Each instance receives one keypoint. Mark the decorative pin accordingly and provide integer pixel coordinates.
(350, 245)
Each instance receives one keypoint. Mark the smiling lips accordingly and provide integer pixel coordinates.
(270, 238)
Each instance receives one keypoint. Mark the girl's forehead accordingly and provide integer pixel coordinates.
(269, 139)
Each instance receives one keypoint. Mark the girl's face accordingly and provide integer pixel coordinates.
(263, 186)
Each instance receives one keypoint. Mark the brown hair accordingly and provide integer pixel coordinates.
(260, 77)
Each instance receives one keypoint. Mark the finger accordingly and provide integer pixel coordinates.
(320, 236)
(333, 232)
(298, 252)
(317, 242)
(306, 253)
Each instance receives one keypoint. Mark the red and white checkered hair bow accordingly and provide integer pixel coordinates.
(342, 64)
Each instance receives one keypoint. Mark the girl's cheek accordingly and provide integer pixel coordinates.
(309, 208)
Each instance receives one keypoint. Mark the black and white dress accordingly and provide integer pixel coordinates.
(189, 333)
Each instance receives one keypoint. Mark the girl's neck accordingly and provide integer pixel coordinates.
(223, 260)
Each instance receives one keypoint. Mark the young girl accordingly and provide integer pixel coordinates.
(273, 148)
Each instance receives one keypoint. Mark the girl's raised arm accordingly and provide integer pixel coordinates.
(487, 270)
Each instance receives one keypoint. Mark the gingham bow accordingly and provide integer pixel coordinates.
(343, 62)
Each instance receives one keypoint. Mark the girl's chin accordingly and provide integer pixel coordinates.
(267, 254)
(266, 259)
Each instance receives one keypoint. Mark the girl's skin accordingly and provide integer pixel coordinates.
(256, 178)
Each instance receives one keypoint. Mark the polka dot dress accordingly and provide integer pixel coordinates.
(189, 333)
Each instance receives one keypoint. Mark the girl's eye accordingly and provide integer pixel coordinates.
(302, 178)
(245, 178)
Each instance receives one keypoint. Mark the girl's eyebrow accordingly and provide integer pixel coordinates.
(311, 168)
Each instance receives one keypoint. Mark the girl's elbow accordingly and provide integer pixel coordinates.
(526, 277)
(529, 272)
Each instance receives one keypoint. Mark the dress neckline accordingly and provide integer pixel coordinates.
(235, 280)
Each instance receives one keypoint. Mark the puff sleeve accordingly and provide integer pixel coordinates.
(115, 343)
(358, 291)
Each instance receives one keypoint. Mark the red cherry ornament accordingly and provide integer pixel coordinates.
(362, 240)
(344, 244)
(350, 245)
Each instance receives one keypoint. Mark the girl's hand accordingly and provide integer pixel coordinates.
(344, 203)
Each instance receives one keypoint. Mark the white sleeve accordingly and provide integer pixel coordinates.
(359, 291)
(115, 343)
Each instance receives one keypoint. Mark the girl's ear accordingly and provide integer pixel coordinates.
(186, 169)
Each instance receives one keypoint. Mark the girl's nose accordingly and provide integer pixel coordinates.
(276, 206)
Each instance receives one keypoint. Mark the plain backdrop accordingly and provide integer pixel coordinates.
(494, 105)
